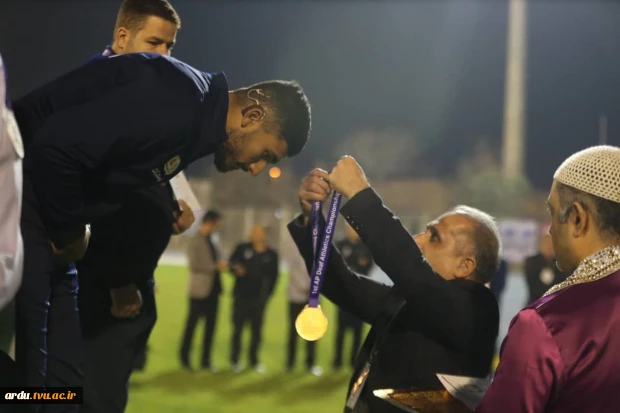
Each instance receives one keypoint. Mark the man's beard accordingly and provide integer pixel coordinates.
(227, 153)
(221, 159)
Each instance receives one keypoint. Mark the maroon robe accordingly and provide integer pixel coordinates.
(562, 354)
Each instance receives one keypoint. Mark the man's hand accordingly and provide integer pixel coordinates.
(75, 250)
(314, 187)
(348, 178)
(184, 220)
(126, 301)
(239, 270)
(222, 266)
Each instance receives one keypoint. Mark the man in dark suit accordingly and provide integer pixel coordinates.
(205, 287)
(255, 267)
(437, 318)
(359, 259)
(98, 134)
(541, 271)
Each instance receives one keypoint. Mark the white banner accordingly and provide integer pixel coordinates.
(519, 238)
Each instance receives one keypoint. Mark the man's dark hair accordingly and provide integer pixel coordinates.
(211, 216)
(133, 13)
(288, 112)
(486, 242)
(606, 213)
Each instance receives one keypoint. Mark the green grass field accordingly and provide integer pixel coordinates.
(164, 387)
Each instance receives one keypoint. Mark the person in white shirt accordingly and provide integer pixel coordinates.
(11, 246)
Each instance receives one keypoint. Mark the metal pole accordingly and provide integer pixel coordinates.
(602, 130)
(514, 92)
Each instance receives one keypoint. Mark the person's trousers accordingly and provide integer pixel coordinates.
(111, 347)
(200, 308)
(48, 343)
(294, 310)
(346, 322)
(252, 312)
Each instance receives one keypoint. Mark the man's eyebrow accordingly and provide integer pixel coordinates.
(432, 227)
(159, 39)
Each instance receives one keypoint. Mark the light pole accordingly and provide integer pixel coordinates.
(513, 140)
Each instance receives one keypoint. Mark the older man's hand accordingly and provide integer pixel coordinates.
(348, 178)
(314, 187)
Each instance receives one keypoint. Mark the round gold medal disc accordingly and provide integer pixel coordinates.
(311, 323)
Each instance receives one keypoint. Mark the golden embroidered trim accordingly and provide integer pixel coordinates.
(593, 268)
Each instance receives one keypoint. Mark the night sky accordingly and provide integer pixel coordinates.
(435, 69)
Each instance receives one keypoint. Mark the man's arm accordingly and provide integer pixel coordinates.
(433, 300)
(236, 261)
(364, 260)
(360, 296)
(123, 126)
(530, 368)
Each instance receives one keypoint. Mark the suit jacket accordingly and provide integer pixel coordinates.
(421, 326)
(203, 269)
(261, 275)
(536, 282)
(498, 282)
(126, 245)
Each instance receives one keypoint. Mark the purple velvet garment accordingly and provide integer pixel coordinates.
(562, 354)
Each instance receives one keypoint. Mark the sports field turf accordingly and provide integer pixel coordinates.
(164, 387)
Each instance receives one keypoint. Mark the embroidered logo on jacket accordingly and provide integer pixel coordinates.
(172, 165)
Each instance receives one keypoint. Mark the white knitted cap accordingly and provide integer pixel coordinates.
(595, 170)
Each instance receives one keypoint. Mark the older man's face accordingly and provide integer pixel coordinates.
(445, 245)
(563, 246)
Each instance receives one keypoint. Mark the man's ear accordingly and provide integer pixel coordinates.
(465, 267)
(579, 219)
(120, 39)
(253, 115)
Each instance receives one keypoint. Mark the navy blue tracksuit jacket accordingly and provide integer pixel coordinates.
(125, 248)
(113, 126)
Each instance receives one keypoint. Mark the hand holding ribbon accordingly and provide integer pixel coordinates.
(346, 178)
(311, 323)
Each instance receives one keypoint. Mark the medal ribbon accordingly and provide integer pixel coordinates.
(321, 256)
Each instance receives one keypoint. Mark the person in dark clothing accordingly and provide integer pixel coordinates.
(498, 282)
(255, 267)
(103, 131)
(116, 295)
(359, 259)
(111, 344)
(437, 318)
(205, 288)
(541, 271)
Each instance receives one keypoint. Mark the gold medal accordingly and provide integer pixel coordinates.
(311, 323)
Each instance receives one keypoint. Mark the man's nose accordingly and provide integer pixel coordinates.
(420, 240)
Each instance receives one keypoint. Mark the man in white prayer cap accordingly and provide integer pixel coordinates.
(562, 352)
